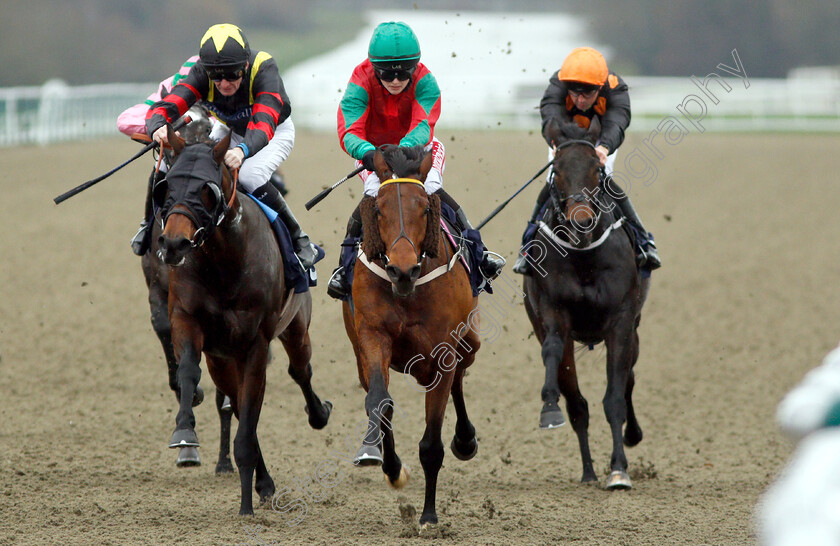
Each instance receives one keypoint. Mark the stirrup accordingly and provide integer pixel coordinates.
(307, 256)
(140, 241)
(491, 265)
(336, 286)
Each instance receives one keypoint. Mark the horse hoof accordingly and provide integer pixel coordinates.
(552, 419)
(400, 482)
(224, 467)
(618, 479)
(226, 404)
(188, 456)
(368, 456)
(466, 454)
(184, 437)
(320, 421)
(198, 396)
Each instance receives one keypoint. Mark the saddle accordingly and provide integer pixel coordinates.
(293, 272)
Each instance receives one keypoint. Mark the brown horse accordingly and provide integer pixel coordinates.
(225, 298)
(586, 289)
(411, 311)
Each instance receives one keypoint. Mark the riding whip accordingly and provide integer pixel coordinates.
(509, 199)
(318, 198)
(150, 146)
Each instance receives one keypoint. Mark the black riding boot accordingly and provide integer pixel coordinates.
(279, 181)
(338, 287)
(141, 242)
(270, 196)
(522, 265)
(490, 266)
(647, 256)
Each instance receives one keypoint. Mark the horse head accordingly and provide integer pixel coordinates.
(576, 182)
(402, 213)
(193, 198)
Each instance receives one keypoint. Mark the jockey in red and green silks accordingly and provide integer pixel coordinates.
(392, 98)
(371, 114)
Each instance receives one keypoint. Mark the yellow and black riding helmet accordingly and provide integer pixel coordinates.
(224, 51)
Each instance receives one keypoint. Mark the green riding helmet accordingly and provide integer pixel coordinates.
(394, 46)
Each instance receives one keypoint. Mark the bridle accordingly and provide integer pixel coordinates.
(186, 198)
(402, 235)
(558, 197)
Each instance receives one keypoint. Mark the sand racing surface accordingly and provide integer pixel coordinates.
(745, 304)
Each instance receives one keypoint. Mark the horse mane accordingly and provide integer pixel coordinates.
(372, 244)
(432, 239)
(404, 162)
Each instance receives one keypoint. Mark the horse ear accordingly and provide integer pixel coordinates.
(175, 141)
(553, 132)
(594, 130)
(383, 171)
(426, 165)
(221, 148)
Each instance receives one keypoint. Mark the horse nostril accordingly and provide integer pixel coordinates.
(414, 272)
(393, 273)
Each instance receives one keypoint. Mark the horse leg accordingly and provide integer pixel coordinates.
(464, 445)
(295, 339)
(431, 445)
(246, 447)
(577, 407)
(619, 342)
(188, 375)
(224, 464)
(632, 431)
(551, 416)
(158, 303)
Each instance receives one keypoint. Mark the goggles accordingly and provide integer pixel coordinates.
(228, 74)
(391, 75)
(585, 91)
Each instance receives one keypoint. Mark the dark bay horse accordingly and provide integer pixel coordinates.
(411, 312)
(586, 289)
(217, 268)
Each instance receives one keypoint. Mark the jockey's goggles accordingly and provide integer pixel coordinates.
(583, 90)
(228, 74)
(391, 75)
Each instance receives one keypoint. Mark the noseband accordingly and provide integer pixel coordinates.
(403, 235)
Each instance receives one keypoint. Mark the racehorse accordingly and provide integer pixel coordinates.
(220, 264)
(586, 289)
(410, 312)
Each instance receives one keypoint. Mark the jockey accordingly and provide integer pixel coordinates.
(392, 98)
(582, 89)
(244, 91)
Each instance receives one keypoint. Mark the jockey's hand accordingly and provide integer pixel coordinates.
(234, 157)
(367, 160)
(161, 136)
(602, 152)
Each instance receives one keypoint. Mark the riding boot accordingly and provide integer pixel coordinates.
(141, 242)
(490, 265)
(270, 196)
(338, 286)
(522, 265)
(647, 257)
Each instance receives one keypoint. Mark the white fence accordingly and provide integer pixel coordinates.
(56, 112)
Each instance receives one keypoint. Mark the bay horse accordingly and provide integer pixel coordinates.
(398, 321)
(586, 289)
(226, 298)
(156, 275)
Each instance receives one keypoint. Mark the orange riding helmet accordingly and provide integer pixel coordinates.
(584, 65)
